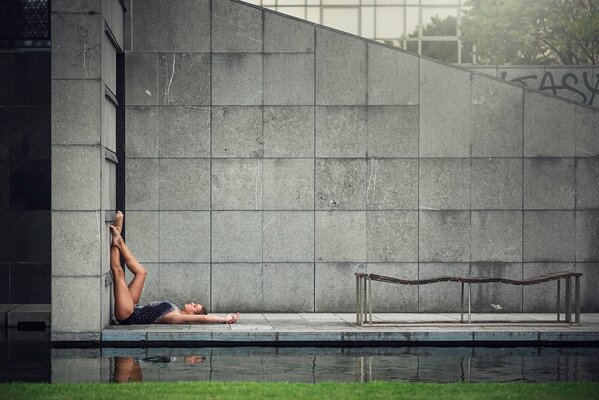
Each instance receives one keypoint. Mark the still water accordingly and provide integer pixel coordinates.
(38, 362)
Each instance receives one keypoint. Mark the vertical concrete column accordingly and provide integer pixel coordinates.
(85, 40)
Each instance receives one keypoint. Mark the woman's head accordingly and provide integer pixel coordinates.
(194, 308)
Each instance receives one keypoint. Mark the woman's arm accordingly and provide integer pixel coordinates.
(177, 318)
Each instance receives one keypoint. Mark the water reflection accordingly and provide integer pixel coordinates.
(38, 362)
(412, 364)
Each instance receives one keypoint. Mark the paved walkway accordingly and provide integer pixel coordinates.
(331, 328)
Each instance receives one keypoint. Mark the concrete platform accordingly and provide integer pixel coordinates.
(29, 313)
(313, 328)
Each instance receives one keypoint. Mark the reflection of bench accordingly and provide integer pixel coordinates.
(364, 292)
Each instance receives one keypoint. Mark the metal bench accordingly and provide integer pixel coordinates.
(364, 291)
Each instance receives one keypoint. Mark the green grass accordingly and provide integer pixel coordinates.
(281, 390)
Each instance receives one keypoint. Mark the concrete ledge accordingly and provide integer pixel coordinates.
(331, 328)
(29, 313)
(4, 309)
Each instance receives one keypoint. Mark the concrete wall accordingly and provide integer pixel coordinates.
(267, 159)
(25, 176)
(86, 37)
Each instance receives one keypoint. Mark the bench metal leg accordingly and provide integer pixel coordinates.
(558, 298)
(568, 300)
(370, 300)
(364, 302)
(577, 299)
(357, 299)
(469, 297)
(462, 304)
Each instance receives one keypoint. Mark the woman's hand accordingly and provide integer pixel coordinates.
(231, 318)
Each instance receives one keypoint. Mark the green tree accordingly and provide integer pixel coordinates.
(442, 50)
(533, 32)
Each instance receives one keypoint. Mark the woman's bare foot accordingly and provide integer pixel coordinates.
(117, 239)
(118, 221)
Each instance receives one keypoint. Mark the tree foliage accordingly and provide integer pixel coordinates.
(533, 31)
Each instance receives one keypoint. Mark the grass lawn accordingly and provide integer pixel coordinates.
(281, 390)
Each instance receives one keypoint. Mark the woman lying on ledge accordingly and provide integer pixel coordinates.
(127, 311)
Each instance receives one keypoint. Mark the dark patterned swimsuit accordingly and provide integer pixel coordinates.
(149, 313)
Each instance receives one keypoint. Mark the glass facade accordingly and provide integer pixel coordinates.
(427, 27)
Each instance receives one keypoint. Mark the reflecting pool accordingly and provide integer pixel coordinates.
(38, 362)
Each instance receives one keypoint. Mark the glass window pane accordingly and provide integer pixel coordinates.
(412, 47)
(313, 14)
(340, 2)
(290, 2)
(439, 21)
(442, 51)
(367, 2)
(344, 19)
(314, 2)
(440, 2)
(389, 2)
(268, 3)
(295, 11)
(389, 22)
(255, 2)
(367, 22)
(412, 21)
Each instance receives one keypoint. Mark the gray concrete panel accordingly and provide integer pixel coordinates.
(68, 295)
(236, 237)
(108, 63)
(142, 183)
(237, 287)
(288, 131)
(586, 127)
(142, 229)
(237, 132)
(445, 111)
(76, 112)
(442, 296)
(340, 184)
(237, 79)
(184, 79)
(184, 132)
(162, 26)
(542, 297)
(387, 297)
(288, 236)
(142, 127)
(496, 118)
(391, 76)
(76, 243)
(392, 236)
(288, 287)
(335, 286)
(496, 183)
(77, 46)
(587, 235)
(571, 82)
(496, 236)
(340, 236)
(496, 297)
(548, 123)
(76, 6)
(549, 183)
(392, 184)
(288, 184)
(589, 286)
(392, 131)
(236, 184)
(185, 283)
(341, 67)
(549, 236)
(76, 177)
(236, 28)
(141, 79)
(289, 79)
(184, 184)
(444, 184)
(444, 236)
(587, 183)
(184, 236)
(491, 71)
(286, 35)
(341, 132)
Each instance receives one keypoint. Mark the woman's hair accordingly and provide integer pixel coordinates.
(203, 310)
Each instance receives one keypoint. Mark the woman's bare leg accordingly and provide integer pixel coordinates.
(139, 272)
(123, 306)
